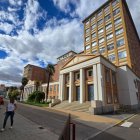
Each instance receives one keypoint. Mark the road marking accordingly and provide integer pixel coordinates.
(126, 124)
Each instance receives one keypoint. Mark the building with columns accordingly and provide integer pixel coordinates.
(107, 73)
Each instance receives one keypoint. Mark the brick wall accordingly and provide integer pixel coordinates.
(133, 40)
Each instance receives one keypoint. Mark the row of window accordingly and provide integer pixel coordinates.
(53, 88)
(108, 26)
(106, 10)
(121, 55)
(77, 75)
(106, 18)
(108, 37)
(110, 47)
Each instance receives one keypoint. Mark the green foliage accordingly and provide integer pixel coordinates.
(50, 69)
(24, 81)
(13, 94)
(36, 96)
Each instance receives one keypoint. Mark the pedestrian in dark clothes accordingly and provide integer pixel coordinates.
(10, 111)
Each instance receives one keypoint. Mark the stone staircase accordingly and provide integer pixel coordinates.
(74, 106)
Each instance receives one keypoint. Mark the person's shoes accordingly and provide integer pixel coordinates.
(2, 129)
(11, 127)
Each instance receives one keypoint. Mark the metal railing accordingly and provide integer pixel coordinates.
(68, 132)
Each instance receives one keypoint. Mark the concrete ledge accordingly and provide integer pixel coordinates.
(54, 102)
(101, 110)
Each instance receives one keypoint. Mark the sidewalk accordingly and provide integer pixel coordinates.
(101, 122)
(24, 129)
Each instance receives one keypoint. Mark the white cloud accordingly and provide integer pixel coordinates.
(7, 28)
(15, 2)
(56, 38)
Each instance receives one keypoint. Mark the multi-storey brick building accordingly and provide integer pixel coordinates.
(107, 73)
(110, 31)
(35, 73)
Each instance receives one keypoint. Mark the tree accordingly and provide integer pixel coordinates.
(50, 70)
(24, 82)
(13, 94)
(37, 84)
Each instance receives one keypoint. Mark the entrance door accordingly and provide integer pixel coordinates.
(67, 94)
(77, 93)
(90, 92)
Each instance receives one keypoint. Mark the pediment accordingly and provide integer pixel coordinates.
(77, 59)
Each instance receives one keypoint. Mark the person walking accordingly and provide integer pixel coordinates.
(10, 111)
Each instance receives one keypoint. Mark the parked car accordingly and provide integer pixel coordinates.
(1, 100)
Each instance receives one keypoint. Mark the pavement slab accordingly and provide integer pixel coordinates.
(24, 129)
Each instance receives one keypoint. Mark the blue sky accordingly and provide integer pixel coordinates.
(39, 31)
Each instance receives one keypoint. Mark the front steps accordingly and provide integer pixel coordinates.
(74, 106)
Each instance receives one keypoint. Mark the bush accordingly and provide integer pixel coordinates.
(31, 97)
(36, 96)
(13, 94)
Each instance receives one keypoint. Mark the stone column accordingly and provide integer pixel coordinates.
(95, 82)
(71, 85)
(100, 82)
(82, 85)
(61, 87)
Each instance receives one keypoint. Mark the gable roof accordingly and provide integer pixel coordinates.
(78, 59)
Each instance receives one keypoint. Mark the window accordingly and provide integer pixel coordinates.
(111, 57)
(87, 31)
(109, 36)
(50, 88)
(67, 78)
(119, 31)
(107, 17)
(107, 75)
(93, 35)
(122, 55)
(54, 87)
(90, 73)
(115, 2)
(58, 88)
(100, 31)
(92, 19)
(93, 26)
(108, 26)
(110, 47)
(117, 21)
(87, 22)
(114, 78)
(115, 12)
(100, 22)
(101, 40)
(99, 14)
(87, 39)
(94, 44)
(102, 50)
(94, 52)
(87, 47)
(120, 42)
(77, 76)
(106, 10)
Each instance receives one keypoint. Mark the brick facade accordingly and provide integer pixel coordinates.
(35, 73)
(133, 40)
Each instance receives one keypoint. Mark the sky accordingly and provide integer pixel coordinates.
(38, 31)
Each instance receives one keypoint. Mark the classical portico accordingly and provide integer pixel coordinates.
(83, 79)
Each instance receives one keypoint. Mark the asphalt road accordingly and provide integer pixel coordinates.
(54, 121)
(119, 132)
